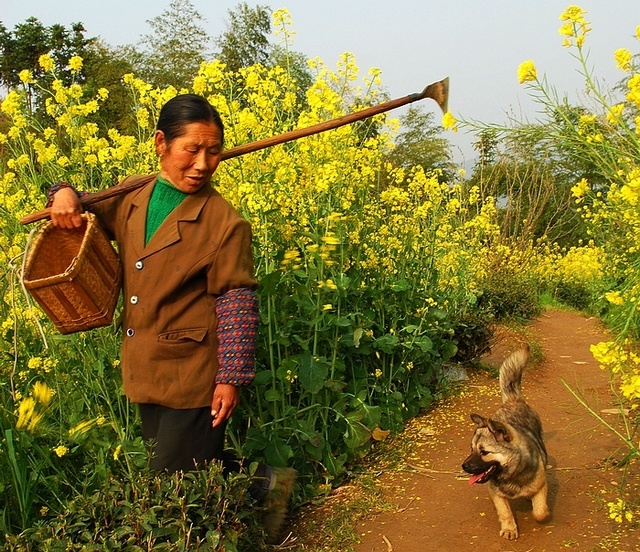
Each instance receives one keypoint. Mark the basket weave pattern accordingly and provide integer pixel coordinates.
(74, 275)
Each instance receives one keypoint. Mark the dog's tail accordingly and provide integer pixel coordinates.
(511, 375)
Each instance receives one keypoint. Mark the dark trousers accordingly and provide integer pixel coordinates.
(183, 440)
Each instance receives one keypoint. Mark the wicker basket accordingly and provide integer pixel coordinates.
(74, 275)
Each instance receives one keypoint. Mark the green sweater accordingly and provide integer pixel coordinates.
(164, 199)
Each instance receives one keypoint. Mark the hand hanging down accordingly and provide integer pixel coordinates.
(225, 400)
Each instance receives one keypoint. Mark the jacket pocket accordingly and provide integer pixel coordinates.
(183, 336)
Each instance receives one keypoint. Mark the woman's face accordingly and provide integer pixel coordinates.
(190, 159)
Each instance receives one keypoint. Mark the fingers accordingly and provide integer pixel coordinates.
(224, 402)
(67, 220)
(66, 209)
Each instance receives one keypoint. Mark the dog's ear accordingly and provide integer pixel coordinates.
(499, 430)
(479, 420)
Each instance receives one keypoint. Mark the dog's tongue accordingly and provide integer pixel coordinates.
(474, 478)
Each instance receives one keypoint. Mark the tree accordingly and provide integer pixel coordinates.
(175, 49)
(530, 180)
(420, 144)
(22, 48)
(246, 40)
(104, 68)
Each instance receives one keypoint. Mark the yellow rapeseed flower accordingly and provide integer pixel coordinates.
(614, 116)
(527, 72)
(633, 96)
(630, 387)
(42, 392)
(614, 297)
(26, 76)
(574, 14)
(449, 122)
(46, 62)
(81, 428)
(574, 25)
(75, 63)
(11, 103)
(34, 363)
(142, 115)
(623, 59)
(26, 410)
(618, 511)
(580, 189)
(60, 451)
(330, 239)
(199, 85)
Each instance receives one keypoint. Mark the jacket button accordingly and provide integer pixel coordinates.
(139, 265)
(134, 299)
(130, 332)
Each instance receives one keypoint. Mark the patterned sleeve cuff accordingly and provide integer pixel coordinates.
(57, 187)
(238, 318)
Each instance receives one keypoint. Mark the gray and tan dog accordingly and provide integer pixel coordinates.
(507, 450)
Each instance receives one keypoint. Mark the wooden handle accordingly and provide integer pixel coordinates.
(438, 91)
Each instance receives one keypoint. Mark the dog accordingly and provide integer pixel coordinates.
(508, 452)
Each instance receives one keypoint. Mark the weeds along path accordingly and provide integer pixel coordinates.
(434, 509)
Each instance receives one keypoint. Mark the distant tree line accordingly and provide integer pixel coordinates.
(529, 173)
(170, 55)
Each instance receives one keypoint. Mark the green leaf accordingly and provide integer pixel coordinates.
(356, 435)
(448, 350)
(387, 343)
(334, 464)
(277, 452)
(213, 538)
(255, 440)
(423, 343)
(272, 395)
(343, 321)
(400, 285)
(357, 336)
(262, 377)
(269, 283)
(313, 372)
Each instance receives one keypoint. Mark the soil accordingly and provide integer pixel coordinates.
(435, 508)
(431, 505)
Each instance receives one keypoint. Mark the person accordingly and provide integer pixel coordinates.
(190, 315)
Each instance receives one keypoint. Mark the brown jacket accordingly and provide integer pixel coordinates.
(201, 250)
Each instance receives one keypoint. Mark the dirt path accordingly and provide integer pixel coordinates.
(434, 509)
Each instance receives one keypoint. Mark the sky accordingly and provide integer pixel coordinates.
(478, 44)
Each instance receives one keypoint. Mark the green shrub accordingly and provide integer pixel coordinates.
(196, 511)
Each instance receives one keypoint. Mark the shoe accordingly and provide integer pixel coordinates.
(276, 501)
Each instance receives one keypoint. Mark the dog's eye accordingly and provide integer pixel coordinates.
(484, 452)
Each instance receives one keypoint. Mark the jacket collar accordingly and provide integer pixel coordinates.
(168, 232)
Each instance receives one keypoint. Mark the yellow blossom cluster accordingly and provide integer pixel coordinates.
(31, 409)
(578, 265)
(527, 72)
(620, 360)
(574, 26)
(620, 511)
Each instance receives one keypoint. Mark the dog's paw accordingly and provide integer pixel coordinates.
(543, 514)
(510, 532)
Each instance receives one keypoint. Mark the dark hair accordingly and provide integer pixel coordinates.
(181, 110)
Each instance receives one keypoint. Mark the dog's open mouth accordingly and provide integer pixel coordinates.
(484, 476)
